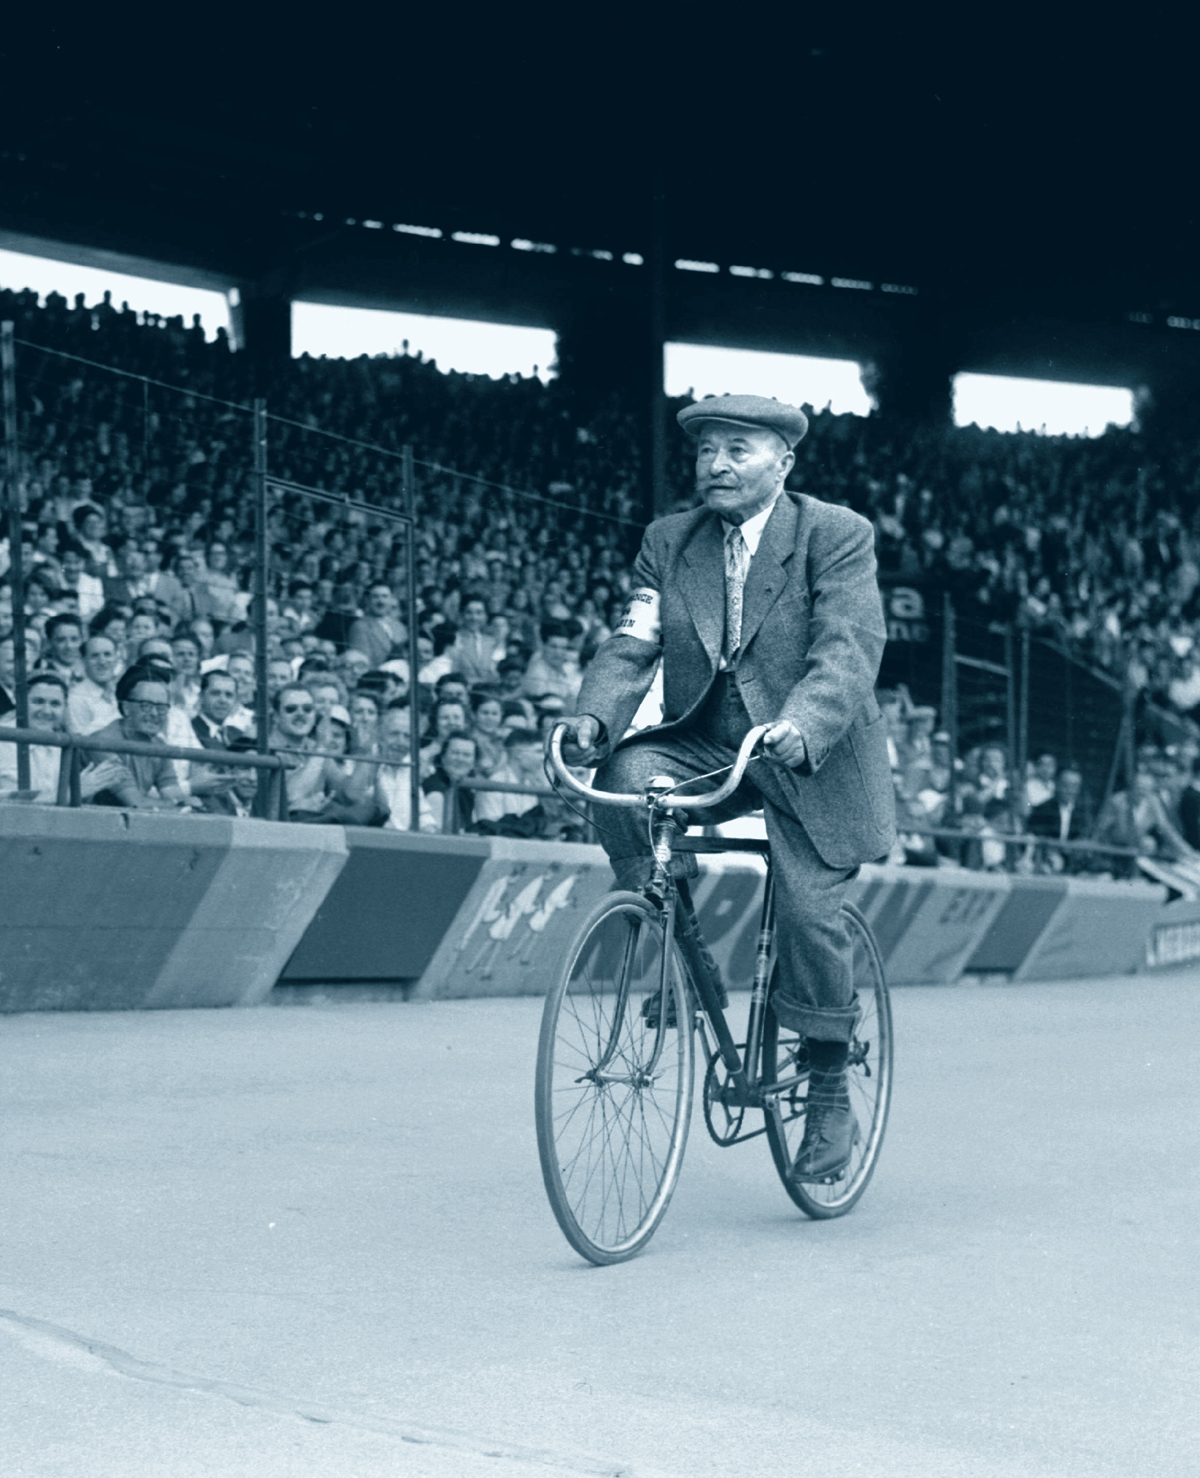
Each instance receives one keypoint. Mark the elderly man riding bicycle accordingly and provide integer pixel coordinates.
(764, 609)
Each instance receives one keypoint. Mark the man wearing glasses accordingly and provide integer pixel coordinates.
(136, 781)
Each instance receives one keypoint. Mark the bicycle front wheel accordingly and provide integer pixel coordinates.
(614, 1084)
(870, 1079)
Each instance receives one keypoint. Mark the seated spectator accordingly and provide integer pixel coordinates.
(279, 675)
(185, 653)
(136, 781)
(376, 632)
(90, 530)
(92, 703)
(293, 722)
(1189, 807)
(64, 641)
(487, 718)
(218, 701)
(183, 592)
(336, 624)
(1063, 816)
(455, 762)
(240, 668)
(132, 580)
(523, 765)
(393, 787)
(474, 650)
(47, 710)
(236, 795)
(111, 622)
(225, 601)
(8, 676)
(88, 588)
(552, 669)
(449, 717)
(365, 710)
(1040, 787)
(452, 687)
(1139, 820)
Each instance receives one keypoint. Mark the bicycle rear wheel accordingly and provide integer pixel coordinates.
(614, 1090)
(869, 1075)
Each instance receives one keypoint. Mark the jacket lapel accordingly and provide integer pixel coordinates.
(768, 569)
(704, 586)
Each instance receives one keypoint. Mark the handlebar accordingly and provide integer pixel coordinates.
(664, 796)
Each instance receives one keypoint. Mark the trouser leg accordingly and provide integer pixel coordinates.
(626, 832)
(815, 995)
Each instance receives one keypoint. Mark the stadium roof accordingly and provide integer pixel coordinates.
(1038, 151)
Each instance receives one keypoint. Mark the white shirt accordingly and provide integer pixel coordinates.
(752, 529)
(44, 761)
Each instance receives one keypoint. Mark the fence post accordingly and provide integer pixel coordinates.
(1010, 705)
(1023, 705)
(16, 557)
(265, 804)
(950, 672)
(414, 687)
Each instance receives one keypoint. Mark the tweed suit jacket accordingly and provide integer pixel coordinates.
(813, 633)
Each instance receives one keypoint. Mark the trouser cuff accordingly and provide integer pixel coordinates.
(825, 1023)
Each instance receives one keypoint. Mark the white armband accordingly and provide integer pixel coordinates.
(642, 618)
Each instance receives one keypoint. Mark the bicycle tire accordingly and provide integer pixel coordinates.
(611, 1151)
(870, 1077)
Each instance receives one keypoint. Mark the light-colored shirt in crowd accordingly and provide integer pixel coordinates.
(1037, 791)
(90, 708)
(43, 768)
(473, 653)
(540, 678)
(393, 795)
(490, 805)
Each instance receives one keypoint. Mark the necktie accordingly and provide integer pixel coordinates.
(737, 557)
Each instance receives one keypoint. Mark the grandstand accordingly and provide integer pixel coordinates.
(1014, 566)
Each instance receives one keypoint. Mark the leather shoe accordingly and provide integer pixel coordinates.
(830, 1133)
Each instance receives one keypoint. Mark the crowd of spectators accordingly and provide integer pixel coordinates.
(139, 553)
(966, 812)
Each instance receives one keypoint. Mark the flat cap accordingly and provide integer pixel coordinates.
(787, 421)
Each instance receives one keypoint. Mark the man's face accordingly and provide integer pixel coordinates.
(186, 656)
(146, 709)
(279, 671)
(354, 664)
(453, 693)
(100, 660)
(556, 650)
(47, 706)
(1045, 768)
(325, 695)
(72, 565)
(219, 699)
(133, 561)
(393, 735)
(1067, 787)
(458, 758)
(65, 644)
(379, 600)
(474, 616)
(297, 713)
(740, 470)
(241, 670)
(424, 649)
(187, 570)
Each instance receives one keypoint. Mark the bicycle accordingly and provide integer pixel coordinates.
(615, 1069)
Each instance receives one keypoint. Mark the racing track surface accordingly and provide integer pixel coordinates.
(313, 1241)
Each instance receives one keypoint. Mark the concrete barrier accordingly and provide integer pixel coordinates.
(102, 909)
(394, 902)
(1098, 928)
(517, 920)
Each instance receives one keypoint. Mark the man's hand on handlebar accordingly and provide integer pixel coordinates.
(580, 741)
(784, 743)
